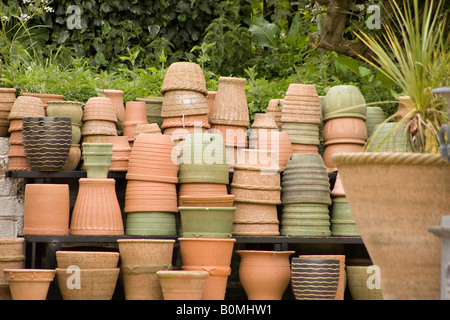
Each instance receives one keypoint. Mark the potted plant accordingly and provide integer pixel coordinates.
(395, 196)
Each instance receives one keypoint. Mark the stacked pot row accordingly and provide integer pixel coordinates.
(257, 191)
(135, 114)
(344, 116)
(12, 256)
(305, 197)
(301, 117)
(99, 120)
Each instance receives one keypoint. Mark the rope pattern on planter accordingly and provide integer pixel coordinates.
(388, 158)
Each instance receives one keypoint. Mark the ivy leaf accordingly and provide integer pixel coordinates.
(265, 33)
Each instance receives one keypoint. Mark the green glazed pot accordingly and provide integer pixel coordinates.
(151, 223)
(72, 109)
(305, 220)
(389, 137)
(97, 159)
(342, 222)
(207, 222)
(344, 101)
(76, 133)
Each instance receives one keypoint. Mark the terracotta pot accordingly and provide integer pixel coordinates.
(255, 219)
(342, 278)
(121, 151)
(196, 120)
(305, 148)
(261, 121)
(12, 255)
(7, 98)
(99, 127)
(99, 108)
(96, 210)
(153, 107)
(25, 106)
(87, 259)
(147, 128)
(94, 284)
(210, 99)
(182, 285)
(140, 260)
(405, 105)
(259, 194)
(178, 103)
(332, 149)
(256, 177)
(232, 135)
(352, 129)
(142, 196)
(46, 209)
(72, 109)
(341, 218)
(47, 142)
(274, 107)
(384, 176)
(96, 138)
(207, 222)
(151, 223)
(358, 278)
(184, 76)
(201, 190)
(300, 89)
(277, 142)
(18, 163)
(315, 278)
(305, 219)
(264, 275)
(344, 101)
(97, 159)
(207, 201)
(135, 114)
(212, 255)
(375, 116)
(116, 97)
(29, 284)
(45, 97)
(230, 104)
(73, 159)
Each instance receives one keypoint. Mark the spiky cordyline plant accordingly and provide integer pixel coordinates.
(414, 54)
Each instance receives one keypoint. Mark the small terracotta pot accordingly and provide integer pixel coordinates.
(46, 209)
(116, 97)
(210, 99)
(87, 259)
(96, 210)
(120, 153)
(7, 98)
(200, 190)
(196, 120)
(305, 148)
(99, 127)
(142, 196)
(207, 201)
(277, 142)
(275, 107)
(181, 284)
(140, 259)
(345, 128)
(29, 284)
(264, 275)
(233, 136)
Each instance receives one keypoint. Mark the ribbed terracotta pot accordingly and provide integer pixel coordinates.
(47, 142)
(399, 216)
(182, 284)
(264, 275)
(135, 114)
(255, 219)
(87, 259)
(207, 222)
(363, 284)
(94, 284)
(12, 255)
(25, 106)
(96, 210)
(305, 219)
(207, 201)
(305, 148)
(46, 209)
(199, 190)
(315, 278)
(99, 108)
(140, 260)
(7, 98)
(142, 196)
(29, 284)
(184, 76)
(178, 103)
(151, 223)
(344, 101)
(212, 255)
(230, 104)
(121, 151)
(261, 121)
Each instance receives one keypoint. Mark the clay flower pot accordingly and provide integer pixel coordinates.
(97, 159)
(207, 201)
(96, 210)
(178, 103)
(351, 129)
(304, 133)
(45, 97)
(116, 97)
(135, 114)
(26, 107)
(99, 127)
(210, 99)
(153, 107)
(212, 255)
(305, 148)
(7, 98)
(375, 116)
(357, 281)
(275, 107)
(207, 222)
(151, 223)
(261, 121)
(29, 284)
(230, 104)
(184, 76)
(232, 135)
(99, 108)
(341, 218)
(339, 147)
(121, 151)
(315, 278)
(255, 219)
(46, 209)
(305, 219)
(155, 196)
(12, 253)
(87, 259)
(72, 109)
(277, 142)
(397, 216)
(94, 284)
(264, 275)
(181, 284)
(47, 142)
(344, 101)
(140, 260)
(73, 159)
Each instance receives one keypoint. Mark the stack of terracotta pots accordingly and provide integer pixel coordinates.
(342, 222)
(305, 197)
(344, 117)
(184, 108)
(275, 107)
(23, 106)
(301, 117)
(121, 151)
(116, 97)
(97, 210)
(151, 196)
(7, 98)
(375, 116)
(99, 120)
(257, 188)
(277, 143)
(135, 114)
(262, 122)
(230, 116)
(12, 252)
(98, 274)
(153, 107)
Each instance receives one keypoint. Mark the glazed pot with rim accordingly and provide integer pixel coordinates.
(207, 222)
(97, 159)
(344, 101)
(264, 275)
(29, 284)
(153, 107)
(72, 109)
